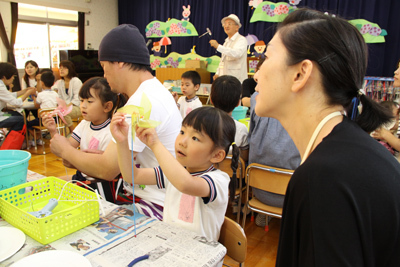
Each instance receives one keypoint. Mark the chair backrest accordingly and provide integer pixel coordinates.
(267, 178)
(59, 122)
(225, 166)
(234, 239)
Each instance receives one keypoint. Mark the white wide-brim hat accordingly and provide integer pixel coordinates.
(232, 17)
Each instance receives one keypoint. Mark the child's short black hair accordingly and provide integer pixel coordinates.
(226, 91)
(7, 70)
(47, 78)
(194, 76)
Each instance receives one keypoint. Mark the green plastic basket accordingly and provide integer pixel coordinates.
(66, 218)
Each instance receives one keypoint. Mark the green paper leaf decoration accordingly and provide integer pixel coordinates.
(171, 28)
(371, 32)
(271, 12)
(212, 65)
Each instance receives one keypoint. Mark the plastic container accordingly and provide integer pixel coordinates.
(239, 112)
(13, 167)
(176, 89)
(76, 209)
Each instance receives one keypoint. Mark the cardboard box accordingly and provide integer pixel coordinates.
(197, 64)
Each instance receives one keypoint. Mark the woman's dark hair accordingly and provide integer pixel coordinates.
(340, 53)
(103, 91)
(26, 76)
(7, 70)
(221, 128)
(71, 68)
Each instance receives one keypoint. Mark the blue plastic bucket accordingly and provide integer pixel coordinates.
(13, 167)
(239, 112)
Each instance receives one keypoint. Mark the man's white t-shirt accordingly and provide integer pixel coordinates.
(163, 110)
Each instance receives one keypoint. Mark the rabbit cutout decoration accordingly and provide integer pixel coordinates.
(186, 13)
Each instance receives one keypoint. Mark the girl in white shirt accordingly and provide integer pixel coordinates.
(29, 80)
(68, 89)
(196, 193)
(31, 71)
(97, 105)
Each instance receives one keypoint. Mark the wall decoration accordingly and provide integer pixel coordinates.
(186, 13)
(157, 49)
(294, 2)
(254, 3)
(272, 12)
(259, 49)
(371, 32)
(251, 39)
(165, 41)
(252, 63)
(176, 60)
(171, 28)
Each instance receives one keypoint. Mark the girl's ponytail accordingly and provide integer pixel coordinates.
(234, 166)
(121, 101)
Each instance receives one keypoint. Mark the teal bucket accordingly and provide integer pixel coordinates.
(13, 167)
(239, 112)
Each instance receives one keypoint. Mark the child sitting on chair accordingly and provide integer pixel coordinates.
(225, 95)
(190, 84)
(97, 105)
(45, 99)
(197, 194)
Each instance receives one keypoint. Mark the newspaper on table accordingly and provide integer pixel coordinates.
(111, 242)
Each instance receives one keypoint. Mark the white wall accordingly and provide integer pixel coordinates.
(102, 18)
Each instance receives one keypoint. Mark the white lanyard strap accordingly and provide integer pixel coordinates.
(316, 132)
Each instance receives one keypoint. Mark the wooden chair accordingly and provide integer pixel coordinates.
(234, 239)
(271, 179)
(59, 124)
(225, 166)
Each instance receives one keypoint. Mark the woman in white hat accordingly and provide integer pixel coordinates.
(233, 51)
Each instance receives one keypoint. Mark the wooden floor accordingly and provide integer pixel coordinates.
(262, 246)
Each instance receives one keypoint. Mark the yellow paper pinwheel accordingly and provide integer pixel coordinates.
(140, 115)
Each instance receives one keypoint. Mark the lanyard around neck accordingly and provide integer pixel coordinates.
(316, 132)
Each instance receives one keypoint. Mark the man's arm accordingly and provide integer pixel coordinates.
(103, 166)
(239, 48)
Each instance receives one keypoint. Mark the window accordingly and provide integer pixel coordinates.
(42, 32)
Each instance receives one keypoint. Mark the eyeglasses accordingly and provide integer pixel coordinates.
(229, 24)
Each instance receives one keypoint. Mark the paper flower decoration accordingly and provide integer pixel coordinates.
(371, 32)
(140, 115)
(170, 28)
(62, 109)
(272, 12)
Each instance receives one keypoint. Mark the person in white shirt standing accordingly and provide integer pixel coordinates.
(233, 51)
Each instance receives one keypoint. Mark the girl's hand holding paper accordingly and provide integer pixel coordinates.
(147, 135)
(119, 127)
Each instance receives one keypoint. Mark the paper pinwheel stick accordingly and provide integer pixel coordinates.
(62, 109)
(140, 115)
